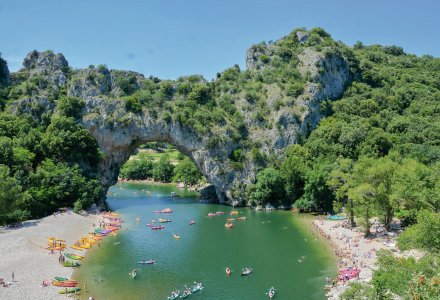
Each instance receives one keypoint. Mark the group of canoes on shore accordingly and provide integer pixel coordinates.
(186, 292)
(109, 226)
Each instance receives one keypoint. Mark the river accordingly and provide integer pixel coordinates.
(272, 243)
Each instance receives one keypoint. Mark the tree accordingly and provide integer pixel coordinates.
(294, 170)
(317, 194)
(163, 169)
(12, 198)
(423, 235)
(340, 181)
(187, 172)
(364, 204)
(269, 188)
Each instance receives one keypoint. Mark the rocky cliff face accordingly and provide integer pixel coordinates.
(119, 130)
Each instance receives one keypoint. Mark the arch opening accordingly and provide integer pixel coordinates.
(163, 162)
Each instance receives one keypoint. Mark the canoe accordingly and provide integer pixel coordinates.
(61, 278)
(246, 271)
(55, 248)
(69, 291)
(229, 225)
(271, 292)
(55, 239)
(197, 287)
(157, 227)
(174, 295)
(73, 256)
(147, 262)
(56, 244)
(185, 294)
(64, 283)
(84, 246)
(72, 264)
(336, 218)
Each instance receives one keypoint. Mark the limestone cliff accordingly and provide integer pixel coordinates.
(273, 104)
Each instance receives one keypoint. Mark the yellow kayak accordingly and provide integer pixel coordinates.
(85, 246)
(56, 245)
(76, 248)
(55, 239)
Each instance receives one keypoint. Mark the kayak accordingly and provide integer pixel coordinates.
(147, 262)
(76, 248)
(247, 271)
(69, 291)
(157, 227)
(73, 256)
(241, 218)
(228, 271)
(192, 222)
(229, 225)
(164, 221)
(174, 295)
(176, 236)
(61, 278)
(72, 264)
(55, 239)
(234, 212)
(271, 292)
(64, 283)
(185, 294)
(55, 248)
(197, 287)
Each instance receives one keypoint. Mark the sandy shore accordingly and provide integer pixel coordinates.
(352, 249)
(23, 252)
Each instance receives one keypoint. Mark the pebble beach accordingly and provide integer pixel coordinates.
(23, 253)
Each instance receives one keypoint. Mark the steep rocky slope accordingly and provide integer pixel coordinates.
(230, 127)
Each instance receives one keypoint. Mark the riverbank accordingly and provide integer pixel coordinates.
(180, 185)
(23, 253)
(352, 250)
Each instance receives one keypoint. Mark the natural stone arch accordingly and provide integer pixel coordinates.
(119, 142)
(119, 130)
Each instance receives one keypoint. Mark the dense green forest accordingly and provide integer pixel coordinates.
(375, 152)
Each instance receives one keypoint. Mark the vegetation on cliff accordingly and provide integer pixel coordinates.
(376, 151)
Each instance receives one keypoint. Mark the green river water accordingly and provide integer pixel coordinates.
(269, 242)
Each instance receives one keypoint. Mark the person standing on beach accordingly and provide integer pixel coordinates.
(13, 276)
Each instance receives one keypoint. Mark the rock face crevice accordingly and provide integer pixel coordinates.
(119, 131)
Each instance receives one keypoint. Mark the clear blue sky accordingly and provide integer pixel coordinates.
(170, 38)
